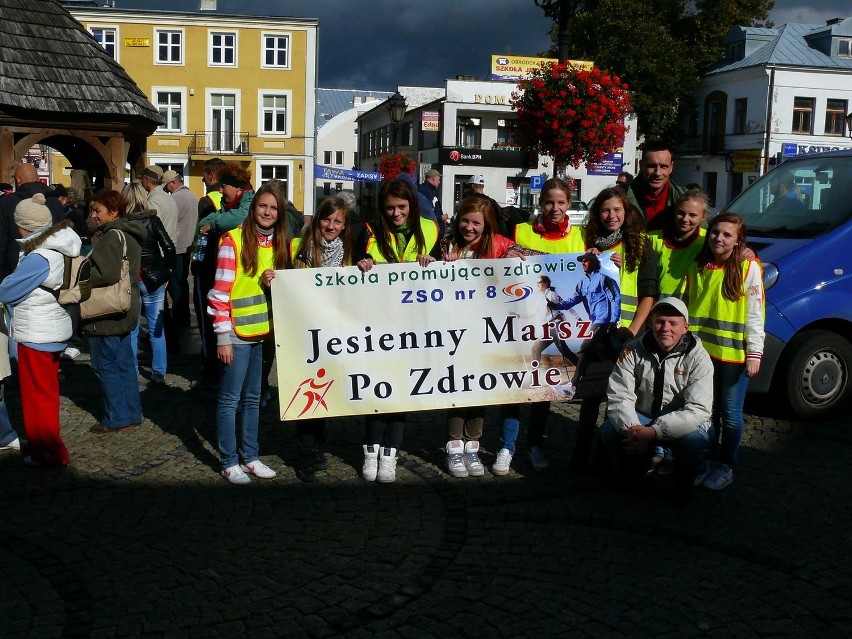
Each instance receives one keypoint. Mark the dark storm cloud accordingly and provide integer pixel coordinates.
(379, 44)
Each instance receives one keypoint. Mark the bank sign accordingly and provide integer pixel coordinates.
(457, 156)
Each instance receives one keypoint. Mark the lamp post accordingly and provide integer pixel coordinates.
(396, 110)
(561, 11)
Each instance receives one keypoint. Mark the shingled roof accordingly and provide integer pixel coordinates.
(51, 66)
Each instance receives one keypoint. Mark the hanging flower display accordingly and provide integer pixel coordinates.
(392, 164)
(570, 114)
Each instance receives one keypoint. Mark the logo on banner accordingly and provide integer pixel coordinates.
(313, 391)
(518, 292)
(455, 156)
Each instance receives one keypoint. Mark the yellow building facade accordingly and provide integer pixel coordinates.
(239, 88)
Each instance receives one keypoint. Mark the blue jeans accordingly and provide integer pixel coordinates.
(113, 363)
(239, 387)
(152, 307)
(689, 451)
(729, 389)
(7, 433)
(510, 426)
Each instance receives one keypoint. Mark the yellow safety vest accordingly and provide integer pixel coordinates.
(430, 236)
(628, 285)
(526, 236)
(216, 198)
(249, 305)
(672, 262)
(719, 322)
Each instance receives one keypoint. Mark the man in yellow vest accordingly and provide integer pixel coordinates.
(661, 393)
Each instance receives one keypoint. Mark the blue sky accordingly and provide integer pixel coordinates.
(379, 44)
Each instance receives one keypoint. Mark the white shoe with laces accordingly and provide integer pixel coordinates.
(503, 462)
(455, 458)
(235, 475)
(15, 444)
(719, 477)
(387, 466)
(258, 469)
(371, 462)
(471, 459)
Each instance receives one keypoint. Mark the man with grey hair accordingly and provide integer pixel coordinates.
(159, 200)
(187, 205)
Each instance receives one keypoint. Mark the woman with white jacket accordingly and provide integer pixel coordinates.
(40, 325)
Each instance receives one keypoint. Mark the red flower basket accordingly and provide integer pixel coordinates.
(572, 115)
(392, 164)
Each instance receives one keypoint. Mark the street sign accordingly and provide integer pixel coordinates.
(536, 182)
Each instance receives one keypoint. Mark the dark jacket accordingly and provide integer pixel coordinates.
(9, 249)
(659, 221)
(106, 258)
(158, 250)
(428, 191)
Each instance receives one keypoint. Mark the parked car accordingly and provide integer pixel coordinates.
(578, 212)
(799, 221)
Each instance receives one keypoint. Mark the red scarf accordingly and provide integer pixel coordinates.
(653, 204)
(549, 230)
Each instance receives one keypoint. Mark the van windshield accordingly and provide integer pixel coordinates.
(801, 198)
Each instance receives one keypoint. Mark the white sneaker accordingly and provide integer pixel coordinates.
(704, 474)
(538, 460)
(565, 391)
(15, 444)
(387, 465)
(455, 458)
(503, 462)
(371, 462)
(235, 475)
(258, 469)
(471, 459)
(70, 353)
(719, 477)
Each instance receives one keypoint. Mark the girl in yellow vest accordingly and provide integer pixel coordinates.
(679, 241)
(398, 234)
(726, 310)
(549, 232)
(614, 225)
(326, 242)
(239, 303)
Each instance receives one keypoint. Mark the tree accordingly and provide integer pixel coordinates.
(659, 49)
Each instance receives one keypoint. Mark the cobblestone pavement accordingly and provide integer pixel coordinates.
(140, 536)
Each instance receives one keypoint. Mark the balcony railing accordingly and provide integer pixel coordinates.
(219, 143)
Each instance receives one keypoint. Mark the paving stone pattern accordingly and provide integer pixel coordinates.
(140, 536)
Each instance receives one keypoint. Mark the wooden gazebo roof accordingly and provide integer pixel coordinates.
(52, 70)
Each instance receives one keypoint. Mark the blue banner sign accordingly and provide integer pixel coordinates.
(610, 164)
(334, 173)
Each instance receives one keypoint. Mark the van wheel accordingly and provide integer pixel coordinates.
(817, 377)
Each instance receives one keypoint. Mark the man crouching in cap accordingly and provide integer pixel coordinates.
(39, 324)
(661, 392)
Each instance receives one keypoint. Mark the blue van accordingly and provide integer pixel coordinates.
(799, 221)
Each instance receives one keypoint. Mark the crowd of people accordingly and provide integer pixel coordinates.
(683, 325)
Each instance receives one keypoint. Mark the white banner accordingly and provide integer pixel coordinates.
(403, 338)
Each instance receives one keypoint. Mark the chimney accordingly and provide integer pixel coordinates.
(207, 5)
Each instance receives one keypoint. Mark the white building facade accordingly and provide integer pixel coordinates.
(778, 93)
(471, 130)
